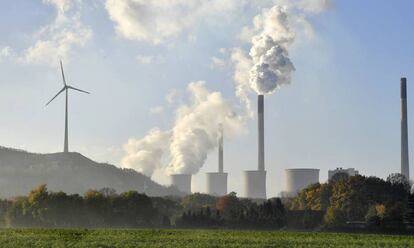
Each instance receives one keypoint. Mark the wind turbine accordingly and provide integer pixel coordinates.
(65, 88)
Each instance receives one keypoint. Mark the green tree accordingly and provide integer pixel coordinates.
(230, 206)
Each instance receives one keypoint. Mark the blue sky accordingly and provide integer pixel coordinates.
(341, 109)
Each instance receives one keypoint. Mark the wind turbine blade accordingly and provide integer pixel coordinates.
(56, 95)
(63, 74)
(73, 88)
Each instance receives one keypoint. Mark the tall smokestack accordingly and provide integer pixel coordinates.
(255, 181)
(220, 149)
(260, 115)
(405, 170)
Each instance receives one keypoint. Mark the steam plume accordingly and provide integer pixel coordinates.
(145, 155)
(272, 66)
(192, 137)
(195, 132)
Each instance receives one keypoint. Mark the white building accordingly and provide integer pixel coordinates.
(182, 182)
(299, 178)
(348, 171)
(216, 183)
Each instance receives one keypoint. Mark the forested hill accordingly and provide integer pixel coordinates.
(21, 171)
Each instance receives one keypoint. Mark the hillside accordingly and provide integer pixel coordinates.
(21, 171)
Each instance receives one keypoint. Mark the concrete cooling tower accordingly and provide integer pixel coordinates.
(298, 179)
(182, 182)
(216, 183)
(255, 184)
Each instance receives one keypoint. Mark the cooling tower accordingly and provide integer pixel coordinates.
(298, 179)
(405, 169)
(216, 183)
(255, 184)
(182, 182)
(255, 181)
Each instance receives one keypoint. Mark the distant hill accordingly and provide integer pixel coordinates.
(21, 171)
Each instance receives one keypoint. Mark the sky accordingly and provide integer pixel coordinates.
(341, 108)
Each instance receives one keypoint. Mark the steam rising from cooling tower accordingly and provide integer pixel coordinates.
(145, 155)
(195, 131)
(263, 70)
(192, 137)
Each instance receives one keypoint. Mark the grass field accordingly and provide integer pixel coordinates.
(192, 238)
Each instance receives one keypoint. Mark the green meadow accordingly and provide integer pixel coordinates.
(193, 238)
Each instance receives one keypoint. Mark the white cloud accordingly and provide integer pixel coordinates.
(223, 50)
(312, 6)
(157, 110)
(148, 59)
(171, 96)
(157, 21)
(57, 39)
(5, 53)
(217, 62)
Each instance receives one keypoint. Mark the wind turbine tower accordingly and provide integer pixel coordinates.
(65, 89)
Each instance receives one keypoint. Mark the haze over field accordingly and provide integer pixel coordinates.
(164, 74)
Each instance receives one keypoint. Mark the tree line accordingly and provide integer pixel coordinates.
(341, 203)
(360, 202)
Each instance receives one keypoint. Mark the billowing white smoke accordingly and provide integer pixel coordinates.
(242, 66)
(271, 37)
(272, 66)
(195, 132)
(194, 135)
(145, 155)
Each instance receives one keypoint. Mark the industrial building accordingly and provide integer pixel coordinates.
(348, 171)
(299, 178)
(217, 181)
(255, 181)
(182, 182)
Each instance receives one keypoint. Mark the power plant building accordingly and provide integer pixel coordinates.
(182, 182)
(298, 179)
